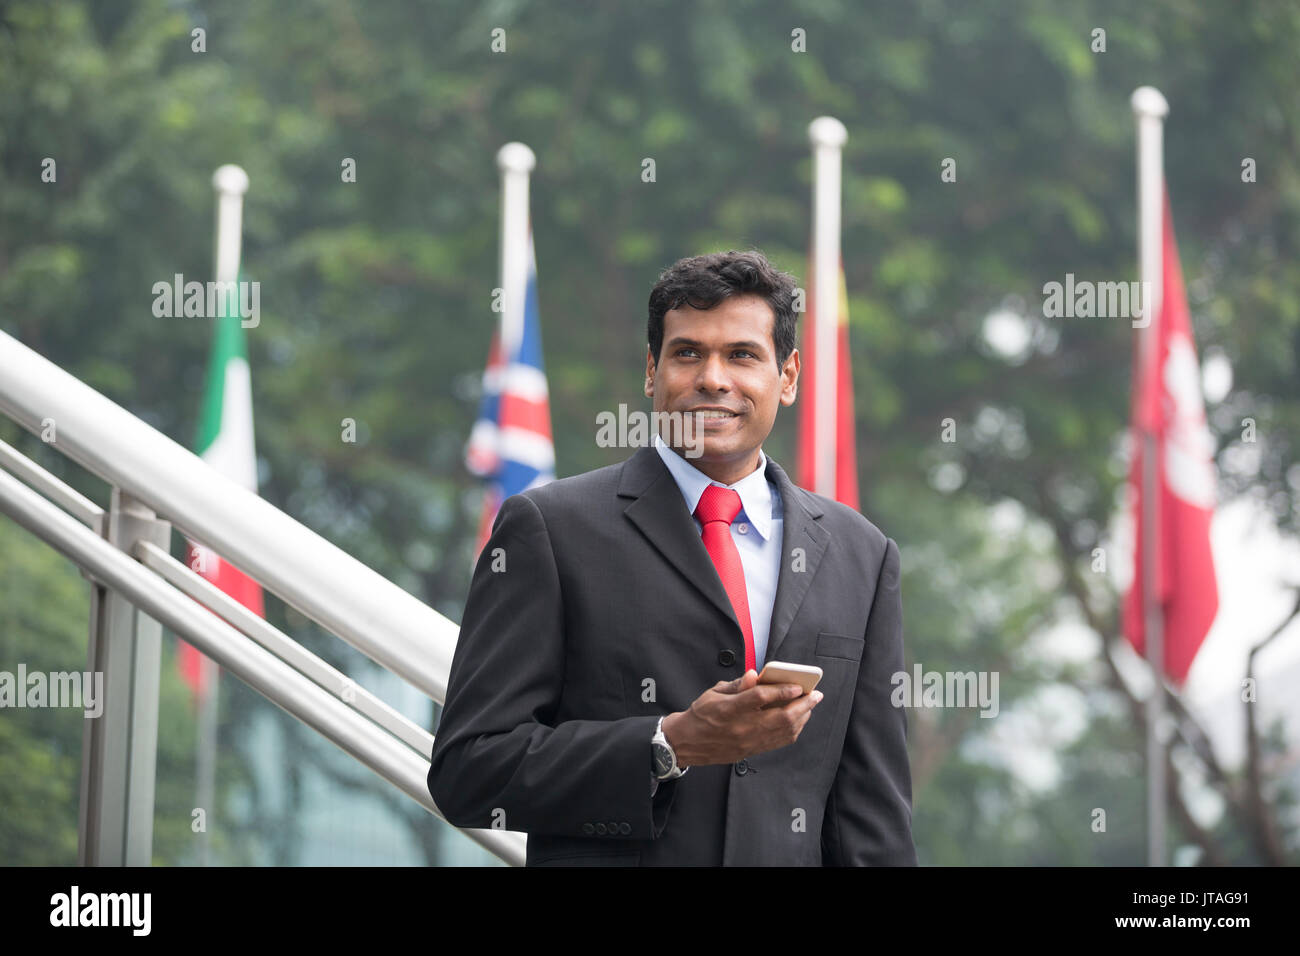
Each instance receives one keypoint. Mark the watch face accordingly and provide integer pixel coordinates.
(663, 763)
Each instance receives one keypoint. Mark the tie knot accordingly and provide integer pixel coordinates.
(718, 504)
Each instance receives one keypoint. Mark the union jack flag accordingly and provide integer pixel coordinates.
(511, 443)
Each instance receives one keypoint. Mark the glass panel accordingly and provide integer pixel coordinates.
(285, 795)
(44, 623)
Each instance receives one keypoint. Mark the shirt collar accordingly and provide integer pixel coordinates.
(756, 498)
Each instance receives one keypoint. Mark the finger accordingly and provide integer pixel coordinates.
(765, 695)
(807, 711)
(804, 705)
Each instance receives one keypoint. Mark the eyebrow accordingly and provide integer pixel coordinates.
(752, 346)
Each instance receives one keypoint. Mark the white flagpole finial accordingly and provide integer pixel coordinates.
(1148, 101)
(230, 179)
(516, 158)
(230, 183)
(827, 131)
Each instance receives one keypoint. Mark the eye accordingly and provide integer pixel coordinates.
(744, 352)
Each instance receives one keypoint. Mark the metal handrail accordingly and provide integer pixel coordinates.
(62, 494)
(390, 626)
(282, 646)
(257, 667)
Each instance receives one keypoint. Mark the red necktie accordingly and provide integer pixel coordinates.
(718, 507)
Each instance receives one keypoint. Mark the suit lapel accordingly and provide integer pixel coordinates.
(658, 511)
(803, 542)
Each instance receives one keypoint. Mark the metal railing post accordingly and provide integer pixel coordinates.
(120, 746)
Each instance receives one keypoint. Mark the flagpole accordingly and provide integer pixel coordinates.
(230, 183)
(828, 136)
(1149, 110)
(516, 162)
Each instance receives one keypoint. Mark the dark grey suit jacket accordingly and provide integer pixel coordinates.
(609, 614)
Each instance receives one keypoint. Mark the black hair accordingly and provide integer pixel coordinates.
(701, 282)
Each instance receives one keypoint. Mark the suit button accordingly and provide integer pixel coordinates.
(742, 768)
(588, 829)
(625, 828)
(726, 658)
(601, 828)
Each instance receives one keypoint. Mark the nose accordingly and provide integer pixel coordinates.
(713, 374)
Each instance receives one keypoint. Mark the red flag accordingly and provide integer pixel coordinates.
(1167, 403)
(233, 582)
(846, 446)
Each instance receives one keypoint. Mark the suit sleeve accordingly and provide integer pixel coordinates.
(499, 757)
(868, 819)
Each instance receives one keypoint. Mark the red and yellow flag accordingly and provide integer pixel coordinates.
(846, 446)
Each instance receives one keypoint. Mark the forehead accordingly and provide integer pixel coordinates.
(735, 317)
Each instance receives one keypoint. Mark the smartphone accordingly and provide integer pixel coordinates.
(780, 672)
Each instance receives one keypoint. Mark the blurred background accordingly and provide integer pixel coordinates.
(376, 306)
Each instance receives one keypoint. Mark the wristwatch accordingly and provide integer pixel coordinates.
(664, 765)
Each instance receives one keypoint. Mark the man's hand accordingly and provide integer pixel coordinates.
(734, 719)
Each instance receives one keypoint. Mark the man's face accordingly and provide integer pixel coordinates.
(724, 358)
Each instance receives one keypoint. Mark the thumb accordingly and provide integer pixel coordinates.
(731, 686)
(746, 680)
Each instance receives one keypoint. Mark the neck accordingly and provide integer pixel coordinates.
(729, 471)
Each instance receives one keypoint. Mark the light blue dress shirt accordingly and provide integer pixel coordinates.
(756, 530)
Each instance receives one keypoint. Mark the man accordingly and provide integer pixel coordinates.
(603, 695)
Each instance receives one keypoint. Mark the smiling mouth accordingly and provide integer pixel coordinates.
(707, 422)
(711, 414)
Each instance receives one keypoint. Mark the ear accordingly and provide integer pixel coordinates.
(790, 378)
(649, 372)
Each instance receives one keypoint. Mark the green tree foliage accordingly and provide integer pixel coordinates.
(376, 294)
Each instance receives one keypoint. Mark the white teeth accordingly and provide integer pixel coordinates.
(716, 414)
